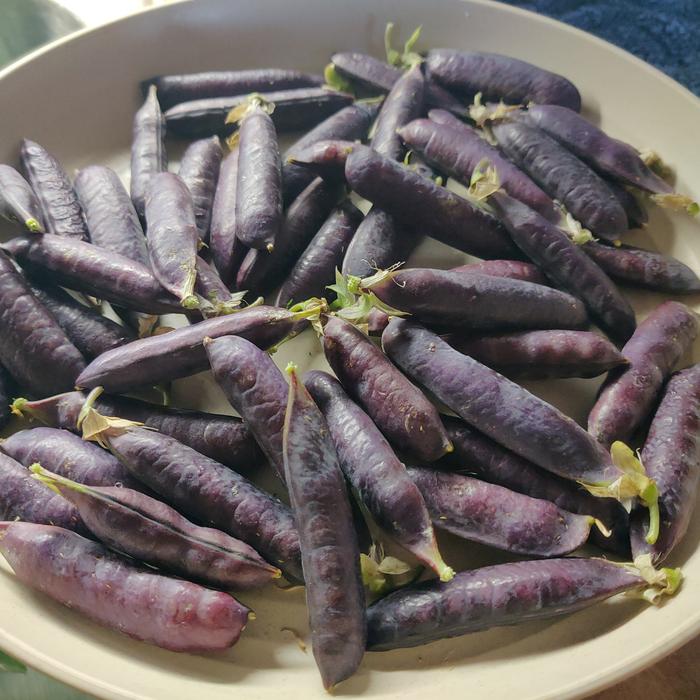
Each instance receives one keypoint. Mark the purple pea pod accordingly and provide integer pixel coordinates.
(226, 439)
(180, 353)
(90, 331)
(172, 236)
(17, 200)
(329, 552)
(295, 110)
(564, 177)
(499, 77)
(259, 190)
(492, 515)
(33, 347)
(324, 158)
(24, 498)
(629, 394)
(399, 409)
(199, 170)
(505, 594)
(87, 268)
(419, 203)
(113, 592)
(316, 267)
(475, 301)
(376, 473)
(152, 532)
(173, 89)
(671, 456)
(513, 269)
(148, 154)
(211, 288)
(637, 215)
(61, 212)
(644, 268)
(255, 388)
(567, 265)
(456, 149)
(110, 215)
(6, 391)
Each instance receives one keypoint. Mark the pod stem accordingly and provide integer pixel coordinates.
(484, 181)
(18, 406)
(660, 582)
(676, 202)
(97, 427)
(335, 80)
(406, 59)
(53, 480)
(254, 101)
(481, 113)
(33, 225)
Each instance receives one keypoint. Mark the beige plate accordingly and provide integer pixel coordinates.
(77, 97)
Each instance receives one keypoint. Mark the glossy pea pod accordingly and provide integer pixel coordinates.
(567, 265)
(148, 154)
(564, 177)
(226, 439)
(180, 353)
(110, 215)
(61, 212)
(119, 595)
(152, 532)
(324, 158)
(256, 389)
(398, 408)
(628, 396)
(374, 470)
(316, 267)
(172, 236)
(499, 77)
(492, 515)
(33, 347)
(671, 455)
(18, 202)
(6, 390)
(330, 554)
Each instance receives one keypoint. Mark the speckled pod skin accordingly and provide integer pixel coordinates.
(111, 591)
(628, 396)
(222, 228)
(18, 202)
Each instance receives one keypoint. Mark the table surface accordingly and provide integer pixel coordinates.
(662, 32)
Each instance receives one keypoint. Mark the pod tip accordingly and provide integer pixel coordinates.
(17, 406)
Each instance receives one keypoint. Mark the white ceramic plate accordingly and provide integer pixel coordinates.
(78, 96)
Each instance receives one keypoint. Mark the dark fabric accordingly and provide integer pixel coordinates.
(665, 33)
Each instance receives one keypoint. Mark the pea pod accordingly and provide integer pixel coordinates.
(5, 393)
(18, 201)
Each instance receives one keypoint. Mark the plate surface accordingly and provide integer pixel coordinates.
(78, 97)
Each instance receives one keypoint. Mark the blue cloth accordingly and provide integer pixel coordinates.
(665, 33)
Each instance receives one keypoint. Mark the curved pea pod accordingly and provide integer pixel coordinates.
(180, 353)
(226, 439)
(88, 268)
(261, 271)
(6, 390)
(348, 124)
(148, 154)
(637, 215)
(172, 236)
(110, 215)
(475, 301)
(259, 189)
(18, 201)
(218, 300)
(671, 456)
(629, 394)
(255, 387)
(514, 269)
(24, 498)
(33, 347)
(419, 203)
(329, 551)
(567, 265)
(376, 473)
(206, 491)
(456, 149)
(152, 532)
(564, 177)
(615, 158)
(323, 158)
(398, 408)
(61, 212)
(316, 267)
(113, 592)
(90, 331)
(644, 268)
(541, 354)
(499, 77)
(505, 594)
(199, 170)
(481, 512)
(219, 83)
(295, 110)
